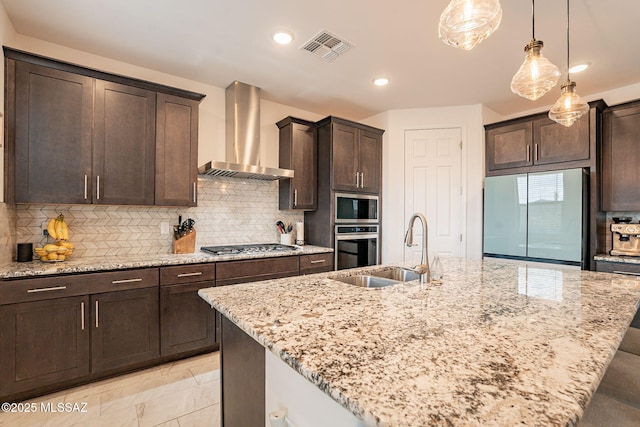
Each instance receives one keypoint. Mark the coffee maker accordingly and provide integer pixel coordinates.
(625, 236)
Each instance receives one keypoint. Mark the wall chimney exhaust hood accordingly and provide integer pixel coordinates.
(242, 138)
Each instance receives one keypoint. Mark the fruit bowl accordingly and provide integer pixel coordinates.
(57, 252)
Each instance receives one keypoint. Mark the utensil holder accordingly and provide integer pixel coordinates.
(286, 239)
(185, 244)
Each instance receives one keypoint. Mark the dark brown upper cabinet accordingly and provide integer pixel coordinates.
(355, 152)
(176, 151)
(124, 144)
(76, 135)
(620, 179)
(537, 143)
(48, 134)
(298, 151)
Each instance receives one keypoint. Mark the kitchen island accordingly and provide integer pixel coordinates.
(496, 343)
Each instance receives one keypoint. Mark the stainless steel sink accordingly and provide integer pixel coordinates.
(367, 281)
(397, 273)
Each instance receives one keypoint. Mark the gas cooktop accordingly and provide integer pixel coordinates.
(247, 249)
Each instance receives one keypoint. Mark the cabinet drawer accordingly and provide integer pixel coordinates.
(42, 288)
(178, 274)
(316, 263)
(618, 267)
(252, 270)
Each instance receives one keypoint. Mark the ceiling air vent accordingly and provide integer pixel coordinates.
(326, 45)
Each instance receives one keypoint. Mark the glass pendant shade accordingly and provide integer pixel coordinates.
(569, 107)
(465, 23)
(537, 75)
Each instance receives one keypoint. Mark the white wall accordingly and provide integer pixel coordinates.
(396, 122)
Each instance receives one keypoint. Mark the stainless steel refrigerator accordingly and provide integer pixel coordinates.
(538, 216)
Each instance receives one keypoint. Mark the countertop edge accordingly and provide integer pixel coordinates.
(36, 268)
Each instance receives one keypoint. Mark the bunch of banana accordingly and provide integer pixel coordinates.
(57, 228)
(58, 252)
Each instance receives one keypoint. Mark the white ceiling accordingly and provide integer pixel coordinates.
(216, 42)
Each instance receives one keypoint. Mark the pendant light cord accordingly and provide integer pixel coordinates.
(533, 19)
(568, 77)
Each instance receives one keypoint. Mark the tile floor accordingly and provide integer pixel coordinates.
(185, 393)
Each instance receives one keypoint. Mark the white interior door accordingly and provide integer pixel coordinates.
(433, 186)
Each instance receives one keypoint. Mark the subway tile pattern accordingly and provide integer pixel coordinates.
(229, 211)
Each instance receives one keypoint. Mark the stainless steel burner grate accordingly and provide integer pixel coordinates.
(246, 249)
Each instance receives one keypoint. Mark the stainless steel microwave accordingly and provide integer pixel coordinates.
(353, 208)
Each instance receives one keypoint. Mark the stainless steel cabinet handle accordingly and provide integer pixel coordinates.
(357, 180)
(295, 197)
(537, 152)
(528, 152)
(82, 315)
(115, 282)
(85, 187)
(195, 273)
(53, 288)
(98, 187)
(626, 272)
(361, 179)
(97, 315)
(317, 261)
(194, 192)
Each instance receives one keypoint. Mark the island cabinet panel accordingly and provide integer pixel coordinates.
(176, 148)
(124, 144)
(124, 329)
(298, 151)
(51, 125)
(620, 182)
(232, 272)
(242, 363)
(316, 263)
(43, 343)
(187, 322)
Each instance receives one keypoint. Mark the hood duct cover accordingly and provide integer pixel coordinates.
(242, 137)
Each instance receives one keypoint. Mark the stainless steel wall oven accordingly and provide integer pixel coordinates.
(356, 246)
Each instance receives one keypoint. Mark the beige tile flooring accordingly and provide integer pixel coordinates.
(185, 393)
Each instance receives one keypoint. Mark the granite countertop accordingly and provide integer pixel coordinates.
(496, 344)
(15, 270)
(614, 258)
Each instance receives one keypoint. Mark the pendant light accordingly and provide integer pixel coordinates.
(465, 23)
(570, 106)
(537, 75)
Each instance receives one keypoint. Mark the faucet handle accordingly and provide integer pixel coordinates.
(421, 268)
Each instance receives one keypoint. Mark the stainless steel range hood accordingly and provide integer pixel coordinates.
(242, 118)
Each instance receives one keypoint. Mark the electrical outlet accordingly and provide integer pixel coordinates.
(164, 228)
(45, 232)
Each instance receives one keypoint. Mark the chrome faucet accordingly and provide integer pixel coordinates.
(423, 268)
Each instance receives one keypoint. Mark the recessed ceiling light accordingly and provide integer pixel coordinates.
(579, 67)
(381, 81)
(283, 37)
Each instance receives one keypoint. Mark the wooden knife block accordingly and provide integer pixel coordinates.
(185, 244)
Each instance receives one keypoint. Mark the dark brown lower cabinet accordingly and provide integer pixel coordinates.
(187, 322)
(243, 378)
(43, 343)
(124, 329)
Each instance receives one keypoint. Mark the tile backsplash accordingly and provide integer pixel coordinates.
(229, 211)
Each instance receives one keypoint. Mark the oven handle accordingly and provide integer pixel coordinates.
(357, 236)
